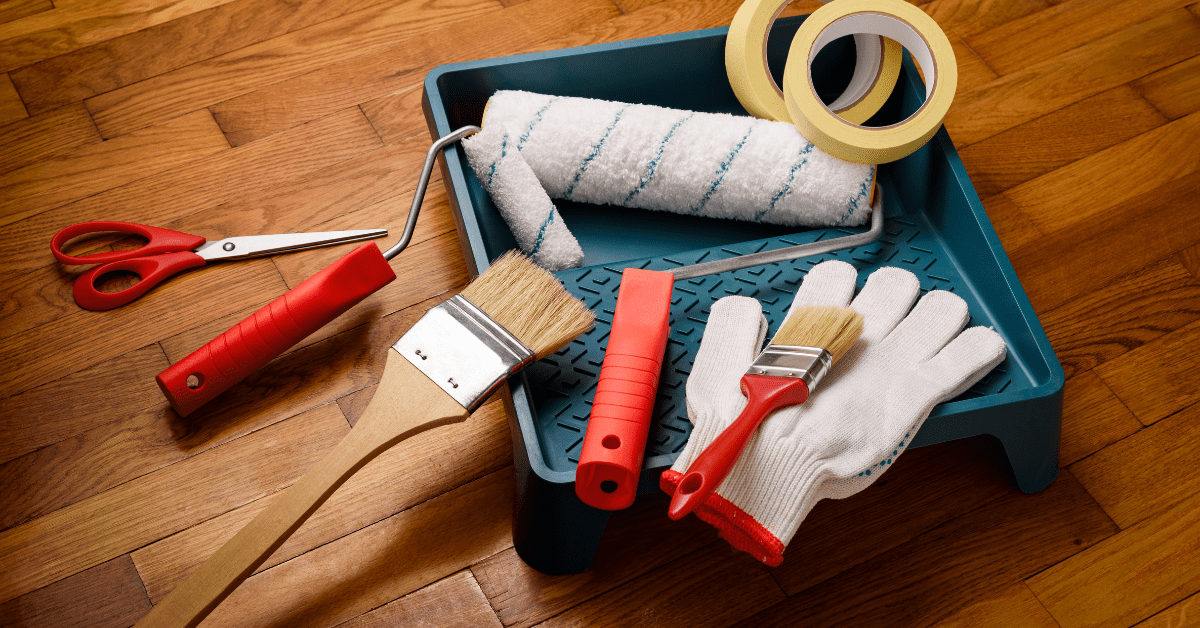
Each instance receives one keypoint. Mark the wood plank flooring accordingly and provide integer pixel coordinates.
(1077, 120)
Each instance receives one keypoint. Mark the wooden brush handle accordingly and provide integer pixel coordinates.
(405, 404)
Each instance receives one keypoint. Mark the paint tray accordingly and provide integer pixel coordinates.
(934, 226)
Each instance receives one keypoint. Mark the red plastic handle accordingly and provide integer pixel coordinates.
(152, 270)
(765, 394)
(611, 460)
(159, 241)
(252, 343)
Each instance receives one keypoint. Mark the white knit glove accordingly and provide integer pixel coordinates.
(859, 418)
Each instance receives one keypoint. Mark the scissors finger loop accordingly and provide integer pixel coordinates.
(159, 241)
(152, 270)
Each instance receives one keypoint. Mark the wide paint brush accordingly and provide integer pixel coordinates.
(784, 374)
(436, 374)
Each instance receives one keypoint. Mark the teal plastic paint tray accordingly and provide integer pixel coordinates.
(934, 226)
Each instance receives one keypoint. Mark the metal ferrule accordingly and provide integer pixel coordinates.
(807, 363)
(464, 351)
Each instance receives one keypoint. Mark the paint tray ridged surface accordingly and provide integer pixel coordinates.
(935, 227)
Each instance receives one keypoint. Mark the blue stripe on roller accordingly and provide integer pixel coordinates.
(721, 171)
(595, 151)
(537, 117)
(537, 246)
(652, 167)
(863, 190)
(787, 187)
(496, 164)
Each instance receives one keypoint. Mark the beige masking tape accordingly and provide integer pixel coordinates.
(875, 71)
(896, 20)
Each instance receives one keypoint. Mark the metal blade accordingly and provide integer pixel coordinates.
(255, 246)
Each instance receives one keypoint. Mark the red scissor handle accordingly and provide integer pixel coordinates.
(152, 270)
(160, 241)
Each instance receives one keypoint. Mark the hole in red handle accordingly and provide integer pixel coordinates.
(116, 281)
(195, 380)
(611, 442)
(608, 486)
(99, 242)
(691, 483)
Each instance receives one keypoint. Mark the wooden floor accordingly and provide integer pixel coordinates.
(1078, 121)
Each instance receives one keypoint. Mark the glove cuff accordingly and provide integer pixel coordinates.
(736, 526)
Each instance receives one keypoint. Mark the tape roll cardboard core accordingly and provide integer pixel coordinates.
(877, 66)
(898, 21)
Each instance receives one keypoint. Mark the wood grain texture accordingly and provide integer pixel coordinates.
(1023, 42)
(1014, 228)
(1185, 614)
(1013, 606)
(380, 563)
(1093, 418)
(1067, 78)
(11, 107)
(1067, 265)
(58, 180)
(1190, 258)
(963, 18)
(1130, 576)
(75, 24)
(118, 521)
(636, 541)
(1139, 476)
(40, 136)
(223, 77)
(972, 70)
(455, 602)
(1131, 168)
(17, 9)
(109, 595)
(427, 466)
(1059, 138)
(681, 591)
(1175, 90)
(78, 402)
(202, 184)
(1121, 316)
(83, 73)
(911, 585)
(1155, 379)
(512, 31)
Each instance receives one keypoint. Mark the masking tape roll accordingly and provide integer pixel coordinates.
(894, 19)
(875, 70)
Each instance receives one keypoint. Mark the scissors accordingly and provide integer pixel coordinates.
(169, 252)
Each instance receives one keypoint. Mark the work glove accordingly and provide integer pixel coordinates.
(859, 419)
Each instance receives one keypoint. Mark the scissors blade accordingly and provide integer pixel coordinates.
(243, 247)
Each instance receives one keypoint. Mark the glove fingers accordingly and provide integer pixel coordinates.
(887, 296)
(937, 318)
(733, 335)
(964, 361)
(828, 283)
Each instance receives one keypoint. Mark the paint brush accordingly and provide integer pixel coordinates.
(806, 346)
(440, 371)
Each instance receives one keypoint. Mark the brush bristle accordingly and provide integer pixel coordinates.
(833, 328)
(530, 303)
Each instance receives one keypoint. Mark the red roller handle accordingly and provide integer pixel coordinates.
(252, 343)
(611, 460)
(765, 394)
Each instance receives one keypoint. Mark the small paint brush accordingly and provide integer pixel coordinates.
(806, 346)
(441, 370)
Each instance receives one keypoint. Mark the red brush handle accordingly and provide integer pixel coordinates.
(611, 460)
(765, 394)
(252, 343)
(150, 270)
